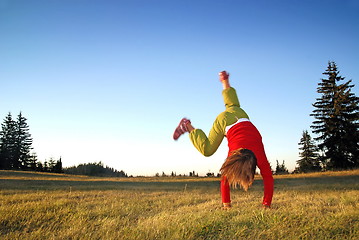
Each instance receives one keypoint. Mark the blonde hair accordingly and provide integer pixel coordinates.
(239, 168)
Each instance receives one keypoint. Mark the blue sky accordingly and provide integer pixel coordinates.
(109, 80)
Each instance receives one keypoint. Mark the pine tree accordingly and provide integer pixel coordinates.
(39, 167)
(15, 144)
(51, 164)
(309, 157)
(337, 115)
(33, 162)
(58, 167)
(23, 142)
(7, 143)
(281, 168)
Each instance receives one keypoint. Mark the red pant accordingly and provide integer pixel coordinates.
(225, 191)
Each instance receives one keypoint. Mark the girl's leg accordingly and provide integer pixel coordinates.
(225, 191)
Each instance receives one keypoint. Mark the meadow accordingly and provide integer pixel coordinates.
(58, 206)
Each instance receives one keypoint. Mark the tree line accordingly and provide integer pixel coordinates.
(16, 148)
(15, 144)
(94, 169)
(16, 153)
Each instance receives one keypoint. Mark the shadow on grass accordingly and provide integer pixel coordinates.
(302, 183)
(21, 184)
(315, 183)
(18, 180)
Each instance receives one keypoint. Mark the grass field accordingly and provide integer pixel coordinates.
(55, 206)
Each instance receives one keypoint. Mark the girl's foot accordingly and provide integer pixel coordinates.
(181, 128)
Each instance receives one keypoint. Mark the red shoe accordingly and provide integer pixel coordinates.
(181, 128)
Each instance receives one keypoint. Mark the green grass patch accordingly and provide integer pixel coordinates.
(58, 206)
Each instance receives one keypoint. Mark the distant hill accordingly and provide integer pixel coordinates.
(94, 169)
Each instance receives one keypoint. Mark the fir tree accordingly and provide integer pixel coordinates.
(57, 168)
(33, 161)
(39, 167)
(309, 157)
(281, 168)
(23, 142)
(51, 164)
(7, 143)
(337, 115)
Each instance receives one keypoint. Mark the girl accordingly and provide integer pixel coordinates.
(246, 150)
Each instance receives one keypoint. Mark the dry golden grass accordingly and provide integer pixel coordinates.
(52, 206)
